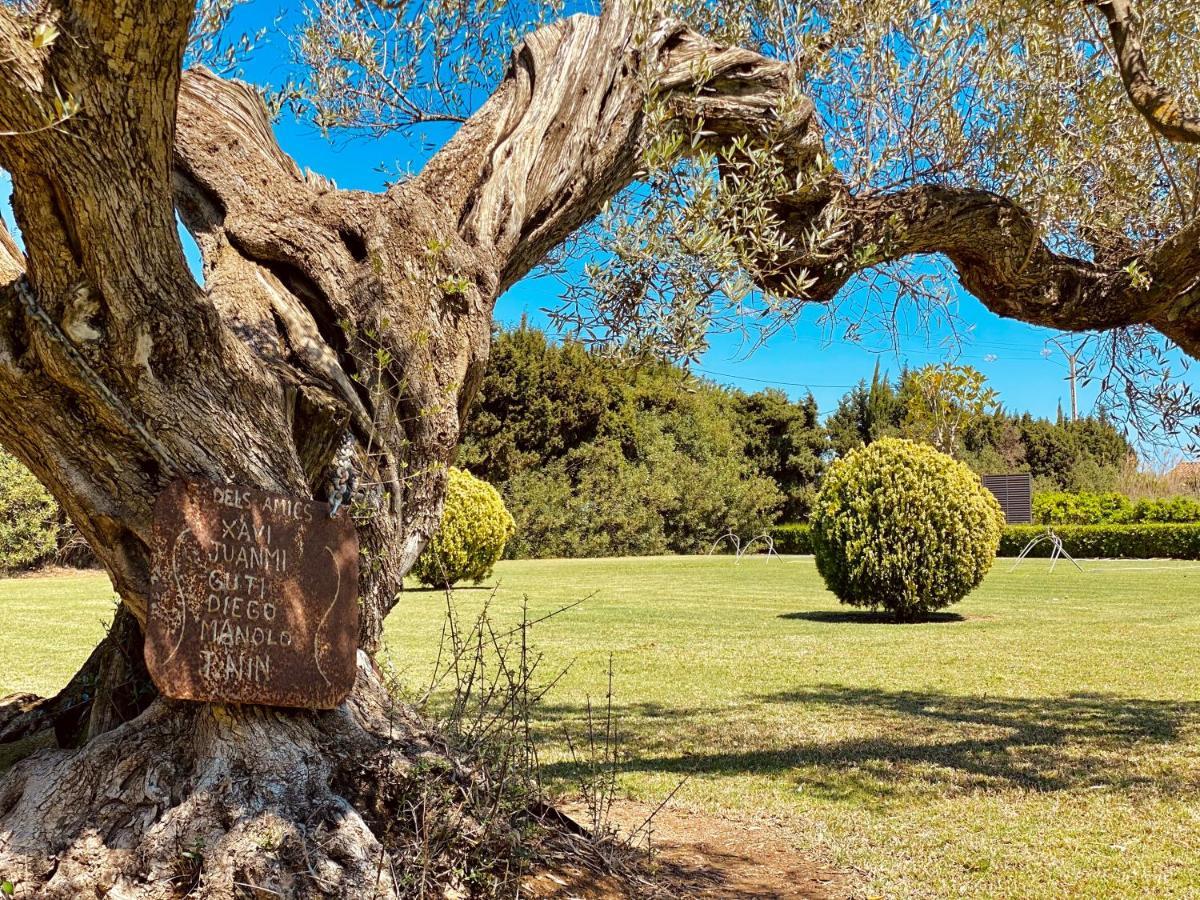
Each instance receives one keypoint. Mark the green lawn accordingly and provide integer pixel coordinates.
(1045, 744)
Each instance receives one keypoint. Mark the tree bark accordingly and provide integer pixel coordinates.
(325, 316)
(234, 801)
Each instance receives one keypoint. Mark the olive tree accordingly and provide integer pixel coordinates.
(781, 151)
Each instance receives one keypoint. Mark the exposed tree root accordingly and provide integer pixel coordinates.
(220, 801)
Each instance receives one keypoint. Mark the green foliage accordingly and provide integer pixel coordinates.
(1060, 508)
(901, 526)
(1088, 454)
(786, 443)
(1166, 509)
(794, 537)
(1110, 508)
(1151, 540)
(865, 414)
(600, 457)
(381, 67)
(994, 446)
(595, 502)
(1144, 539)
(29, 517)
(470, 540)
(944, 401)
(590, 503)
(980, 87)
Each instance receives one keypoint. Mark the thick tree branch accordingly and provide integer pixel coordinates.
(85, 232)
(564, 132)
(1001, 258)
(12, 260)
(1160, 107)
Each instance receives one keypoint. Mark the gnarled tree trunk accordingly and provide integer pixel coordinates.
(329, 316)
(325, 317)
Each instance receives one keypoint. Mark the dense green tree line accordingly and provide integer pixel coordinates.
(596, 456)
(1088, 454)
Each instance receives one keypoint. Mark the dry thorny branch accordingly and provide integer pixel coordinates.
(482, 693)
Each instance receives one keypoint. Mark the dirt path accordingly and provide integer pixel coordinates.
(707, 858)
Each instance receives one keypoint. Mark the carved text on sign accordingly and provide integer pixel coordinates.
(254, 598)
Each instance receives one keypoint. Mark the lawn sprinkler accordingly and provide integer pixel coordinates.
(740, 550)
(1058, 550)
(766, 539)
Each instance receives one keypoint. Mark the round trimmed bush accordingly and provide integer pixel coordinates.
(899, 526)
(28, 517)
(475, 527)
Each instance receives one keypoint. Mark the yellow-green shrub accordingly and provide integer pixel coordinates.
(899, 525)
(475, 527)
(28, 517)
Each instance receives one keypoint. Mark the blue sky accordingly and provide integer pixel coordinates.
(808, 356)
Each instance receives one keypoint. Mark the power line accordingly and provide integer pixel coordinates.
(963, 353)
(1009, 357)
(769, 381)
(964, 346)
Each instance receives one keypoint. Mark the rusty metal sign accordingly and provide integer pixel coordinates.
(255, 598)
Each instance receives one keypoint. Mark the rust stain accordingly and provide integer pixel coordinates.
(254, 598)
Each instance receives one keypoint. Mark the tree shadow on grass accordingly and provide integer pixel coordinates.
(458, 588)
(924, 741)
(868, 617)
(650, 714)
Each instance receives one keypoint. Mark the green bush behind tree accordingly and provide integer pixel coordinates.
(1110, 508)
(1088, 454)
(1146, 540)
(1149, 540)
(470, 540)
(29, 518)
(597, 457)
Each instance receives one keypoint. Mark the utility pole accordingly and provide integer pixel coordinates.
(1071, 358)
(1072, 355)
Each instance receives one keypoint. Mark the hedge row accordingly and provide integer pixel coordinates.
(1110, 508)
(1140, 541)
(794, 538)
